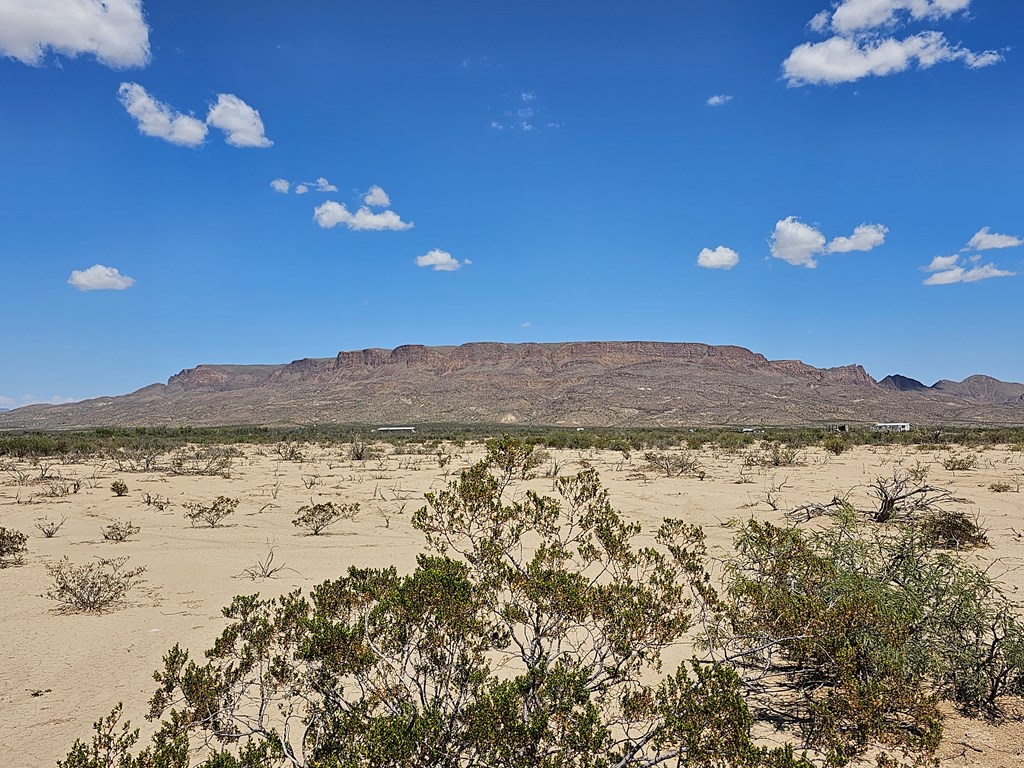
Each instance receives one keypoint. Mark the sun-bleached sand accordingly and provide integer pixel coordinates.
(59, 672)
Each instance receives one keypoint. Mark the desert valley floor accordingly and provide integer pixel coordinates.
(62, 671)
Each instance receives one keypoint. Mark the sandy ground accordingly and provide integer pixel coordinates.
(59, 672)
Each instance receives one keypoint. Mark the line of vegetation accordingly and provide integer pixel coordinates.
(136, 447)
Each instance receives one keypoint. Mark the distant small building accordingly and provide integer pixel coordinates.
(891, 426)
(396, 429)
(837, 428)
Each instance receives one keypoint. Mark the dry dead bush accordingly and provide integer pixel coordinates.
(49, 527)
(953, 529)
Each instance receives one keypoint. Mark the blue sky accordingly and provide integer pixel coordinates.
(834, 182)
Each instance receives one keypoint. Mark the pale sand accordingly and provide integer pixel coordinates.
(85, 664)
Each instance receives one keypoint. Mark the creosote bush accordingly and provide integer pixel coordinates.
(212, 514)
(119, 488)
(960, 462)
(12, 547)
(119, 530)
(834, 445)
(315, 518)
(93, 587)
(674, 464)
(856, 633)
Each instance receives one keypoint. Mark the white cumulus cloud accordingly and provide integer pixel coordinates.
(864, 238)
(719, 100)
(114, 31)
(439, 261)
(280, 185)
(719, 258)
(301, 189)
(241, 124)
(984, 240)
(845, 59)
(99, 278)
(332, 214)
(796, 243)
(863, 44)
(157, 119)
(852, 16)
(376, 197)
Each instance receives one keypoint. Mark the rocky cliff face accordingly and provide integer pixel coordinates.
(579, 384)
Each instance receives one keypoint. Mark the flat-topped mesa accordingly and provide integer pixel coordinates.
(608, 354)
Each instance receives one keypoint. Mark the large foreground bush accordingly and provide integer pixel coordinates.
(533, 630)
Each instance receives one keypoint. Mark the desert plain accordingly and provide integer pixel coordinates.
(60, 671)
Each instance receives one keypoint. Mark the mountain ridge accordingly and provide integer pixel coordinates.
(589, 383)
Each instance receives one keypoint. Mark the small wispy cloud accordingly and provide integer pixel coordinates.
(968, 274)
(521, 111)
(718, 258)
(100, 278)
(302, 187)
(440, 261)
(479, 62)
(985, 240)
(719, 100)
(332, 214)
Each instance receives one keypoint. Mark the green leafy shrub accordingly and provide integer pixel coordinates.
(12, 547)
(869, 628)
(834, 445)
(960, 462)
